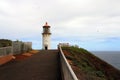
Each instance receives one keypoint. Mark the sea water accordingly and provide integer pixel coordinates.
(111, 57)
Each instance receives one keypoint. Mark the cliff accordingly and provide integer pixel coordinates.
(89, 67)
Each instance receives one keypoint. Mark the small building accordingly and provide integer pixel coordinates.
(64, 44)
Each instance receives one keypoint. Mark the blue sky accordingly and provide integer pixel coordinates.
(91, 24)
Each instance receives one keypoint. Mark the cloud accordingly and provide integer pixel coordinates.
(70, 20)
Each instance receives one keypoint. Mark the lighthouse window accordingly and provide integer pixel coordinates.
(46, 30)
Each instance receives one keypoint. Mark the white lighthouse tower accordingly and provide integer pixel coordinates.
(46, 37)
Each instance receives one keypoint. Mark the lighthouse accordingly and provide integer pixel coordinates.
(46, 37)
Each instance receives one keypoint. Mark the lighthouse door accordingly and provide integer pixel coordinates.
(46, 48)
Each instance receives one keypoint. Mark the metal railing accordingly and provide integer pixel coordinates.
(66, 70)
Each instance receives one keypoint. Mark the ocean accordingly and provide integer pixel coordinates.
(111, 57)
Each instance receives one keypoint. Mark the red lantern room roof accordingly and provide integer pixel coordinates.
(46, 25)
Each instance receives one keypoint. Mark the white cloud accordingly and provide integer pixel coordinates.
(80, 19)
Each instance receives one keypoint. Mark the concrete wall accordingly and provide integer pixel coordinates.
(5, 51)
(27, 46)
(16, 45)
(19, 47)
(16, 48)
(67, 72)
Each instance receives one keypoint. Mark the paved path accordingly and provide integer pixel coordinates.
(41, 66)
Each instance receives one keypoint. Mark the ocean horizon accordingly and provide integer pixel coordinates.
(111, 57)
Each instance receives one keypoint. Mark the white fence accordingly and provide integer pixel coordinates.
(16, 48)
(67, 72)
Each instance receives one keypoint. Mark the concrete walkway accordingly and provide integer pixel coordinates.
(41, 66)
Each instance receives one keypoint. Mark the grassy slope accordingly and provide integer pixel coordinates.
(89, 67)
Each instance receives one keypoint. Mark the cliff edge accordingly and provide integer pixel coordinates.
(89, 67)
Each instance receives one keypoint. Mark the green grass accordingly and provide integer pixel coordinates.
(92, 67)
(81, 58)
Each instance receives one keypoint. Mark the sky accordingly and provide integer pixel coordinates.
(90, 24)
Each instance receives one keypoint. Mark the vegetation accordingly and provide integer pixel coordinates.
(5, 42)
(89, 67)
